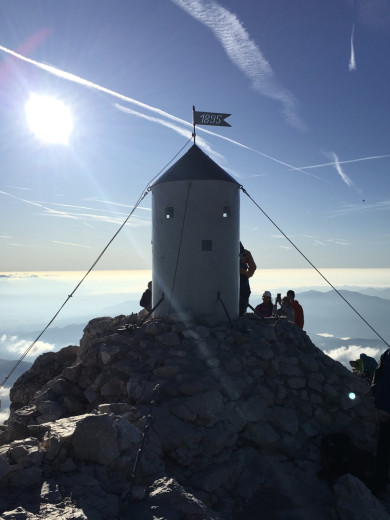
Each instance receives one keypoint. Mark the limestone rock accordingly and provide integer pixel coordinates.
(183, 419)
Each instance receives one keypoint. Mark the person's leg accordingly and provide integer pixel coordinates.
(244, 300)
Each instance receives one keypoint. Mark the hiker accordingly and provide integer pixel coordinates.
(298, 311)
(265, 309)
(364, 367)
(247, 269)
(381, 391)
(285, 310)
(146, 298)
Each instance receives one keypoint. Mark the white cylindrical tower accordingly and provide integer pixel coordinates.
(195, 239)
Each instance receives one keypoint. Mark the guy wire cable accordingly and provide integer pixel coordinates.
(145, 191)
(314, 267)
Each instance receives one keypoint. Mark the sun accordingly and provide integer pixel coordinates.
(49, 119)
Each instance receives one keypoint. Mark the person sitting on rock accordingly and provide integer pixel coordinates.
(265, 309)
(285, 310)
(298, 311)
(146, 298)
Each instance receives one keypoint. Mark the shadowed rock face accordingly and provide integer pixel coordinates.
(44, 369)
(183, 420)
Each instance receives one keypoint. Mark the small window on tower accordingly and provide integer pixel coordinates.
(207, 245)
(226, 212)
(169, 212)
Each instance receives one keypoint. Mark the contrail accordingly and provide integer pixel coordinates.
(167, 124)
(370, 158)
(182, 132)
(77, 79)
(352, 61)
(339, 170)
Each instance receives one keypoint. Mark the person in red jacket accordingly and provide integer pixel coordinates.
(298, 311)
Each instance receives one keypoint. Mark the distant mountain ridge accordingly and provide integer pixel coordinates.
(325, 312)
(6, 365)
(328, 313)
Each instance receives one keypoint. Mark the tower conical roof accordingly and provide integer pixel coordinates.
(195, 165)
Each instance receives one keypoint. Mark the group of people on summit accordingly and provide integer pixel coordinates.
(289, 307)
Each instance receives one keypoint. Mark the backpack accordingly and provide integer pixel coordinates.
(145, 298)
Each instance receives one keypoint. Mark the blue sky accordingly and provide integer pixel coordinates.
(308, 87)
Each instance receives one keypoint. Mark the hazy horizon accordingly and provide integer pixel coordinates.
(37, 296)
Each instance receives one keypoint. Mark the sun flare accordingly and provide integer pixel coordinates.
(49, 119)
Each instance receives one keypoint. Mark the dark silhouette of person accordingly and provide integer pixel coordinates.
(285, 311)
(265, 309)
(146, 298)
(247, 269)
(297, 308)
(364, 367)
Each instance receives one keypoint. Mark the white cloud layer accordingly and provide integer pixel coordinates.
(346, 354)
(4, 414)
(18, 346)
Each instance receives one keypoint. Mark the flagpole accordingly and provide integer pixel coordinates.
(193, 122)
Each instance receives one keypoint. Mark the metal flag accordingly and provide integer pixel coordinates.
(210, 118)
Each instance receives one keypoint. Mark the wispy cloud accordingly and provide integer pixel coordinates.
(117, 204)
(243, 52)
(350, 209)
(339, 241)
(340, 171)
(352, 60)
(69, 244)
(19, 188)
(316, 240)
(87, 218)
(50, 211)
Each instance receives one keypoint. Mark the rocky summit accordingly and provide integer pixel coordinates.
(181, 419)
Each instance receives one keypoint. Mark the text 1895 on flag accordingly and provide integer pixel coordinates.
(210, 118)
